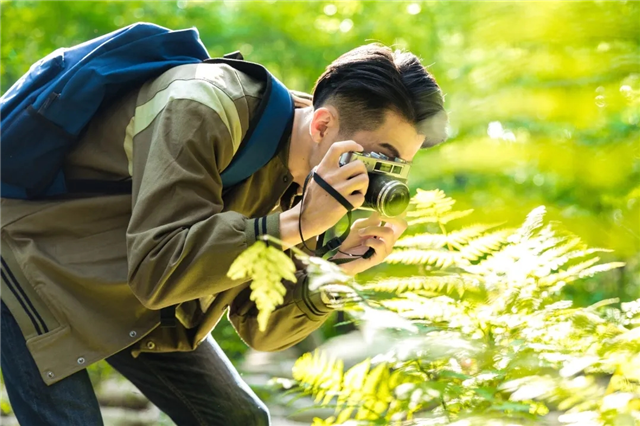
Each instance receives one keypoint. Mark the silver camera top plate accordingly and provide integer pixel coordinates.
(379, 163)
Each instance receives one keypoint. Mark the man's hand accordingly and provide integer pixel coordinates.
(321, 211)
(370, 233)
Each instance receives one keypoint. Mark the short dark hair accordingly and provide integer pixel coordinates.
(366, 82)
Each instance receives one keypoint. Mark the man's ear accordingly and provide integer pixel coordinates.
(323, 120)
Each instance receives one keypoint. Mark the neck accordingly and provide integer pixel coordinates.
(301, 145)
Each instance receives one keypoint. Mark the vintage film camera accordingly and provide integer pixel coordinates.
(388, 192)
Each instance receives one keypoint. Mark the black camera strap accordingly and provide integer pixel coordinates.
(325, 250)
(335, 242)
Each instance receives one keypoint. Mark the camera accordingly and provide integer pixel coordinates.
(388, 192)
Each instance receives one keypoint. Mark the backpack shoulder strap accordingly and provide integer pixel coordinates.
(271, 123)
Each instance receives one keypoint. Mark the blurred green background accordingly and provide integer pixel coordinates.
(543, 97)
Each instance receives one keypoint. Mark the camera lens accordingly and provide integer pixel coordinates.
(394, 199)
(387, 195)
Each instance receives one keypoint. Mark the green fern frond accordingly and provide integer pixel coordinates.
(433, 207)
(449, 217)
(456, 239)
(423, 241)
(568, 275)
(441, 259)
(319, 375)
(449, 284)
(481, 246)
(631, 312)
(555, 257)
(266, 267)
(589, 272)
(443, 218)
(586, 252)
(487, 333)
(433, 309)
(362, 389)
(430, 203)
(531, 224)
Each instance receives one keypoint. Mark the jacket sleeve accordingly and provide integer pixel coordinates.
(179, 242)
(301, 313)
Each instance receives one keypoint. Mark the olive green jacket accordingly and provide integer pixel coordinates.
(86, 276)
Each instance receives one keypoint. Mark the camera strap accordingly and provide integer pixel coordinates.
(326, 250)
(335, 242)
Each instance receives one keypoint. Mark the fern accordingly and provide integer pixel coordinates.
(266, 267)
(481, 246)
(433, 309)
(442, 219)
(448, 284)
(455, 239)
(486, 337)
(434, 207)
(445, 249)
(364, 392)
(319, 375)
(440, 259)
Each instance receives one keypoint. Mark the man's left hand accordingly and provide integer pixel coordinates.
(377, 232)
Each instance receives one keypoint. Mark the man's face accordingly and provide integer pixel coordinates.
(394, 138)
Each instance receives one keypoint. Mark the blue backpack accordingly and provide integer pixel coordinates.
(44, 113)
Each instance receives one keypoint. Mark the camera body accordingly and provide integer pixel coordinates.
(388, 192)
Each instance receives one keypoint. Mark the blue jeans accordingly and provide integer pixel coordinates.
(193, 388)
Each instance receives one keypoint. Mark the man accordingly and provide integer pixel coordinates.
(84, 278)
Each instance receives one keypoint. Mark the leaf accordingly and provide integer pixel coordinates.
(443, 218)
(319, 375)
(498, 328)
(266, 267)
(440, 259)
(456, 239)
(376, 393)
(530, 225)
(589, 272)
(354, 378)
(485, 244)
(448, 284)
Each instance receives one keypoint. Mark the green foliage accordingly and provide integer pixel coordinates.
(544, 107)
(494, 340)
(442, 250)
(544, 97)
(266, 267)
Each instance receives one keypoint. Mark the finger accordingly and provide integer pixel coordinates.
(398, 224)
(373, 220)
(337, 149)
(356, 199)
(351, 170)
(384, 232)
(379, 246)
(358, 183)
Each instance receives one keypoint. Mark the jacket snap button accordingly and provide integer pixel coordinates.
(132, 334)
(80, 360)
(50, 374)
(285, 178)
(151, 345)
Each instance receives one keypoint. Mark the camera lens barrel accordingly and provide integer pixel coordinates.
(387, 195)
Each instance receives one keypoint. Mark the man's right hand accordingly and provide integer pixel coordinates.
(321, 211)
